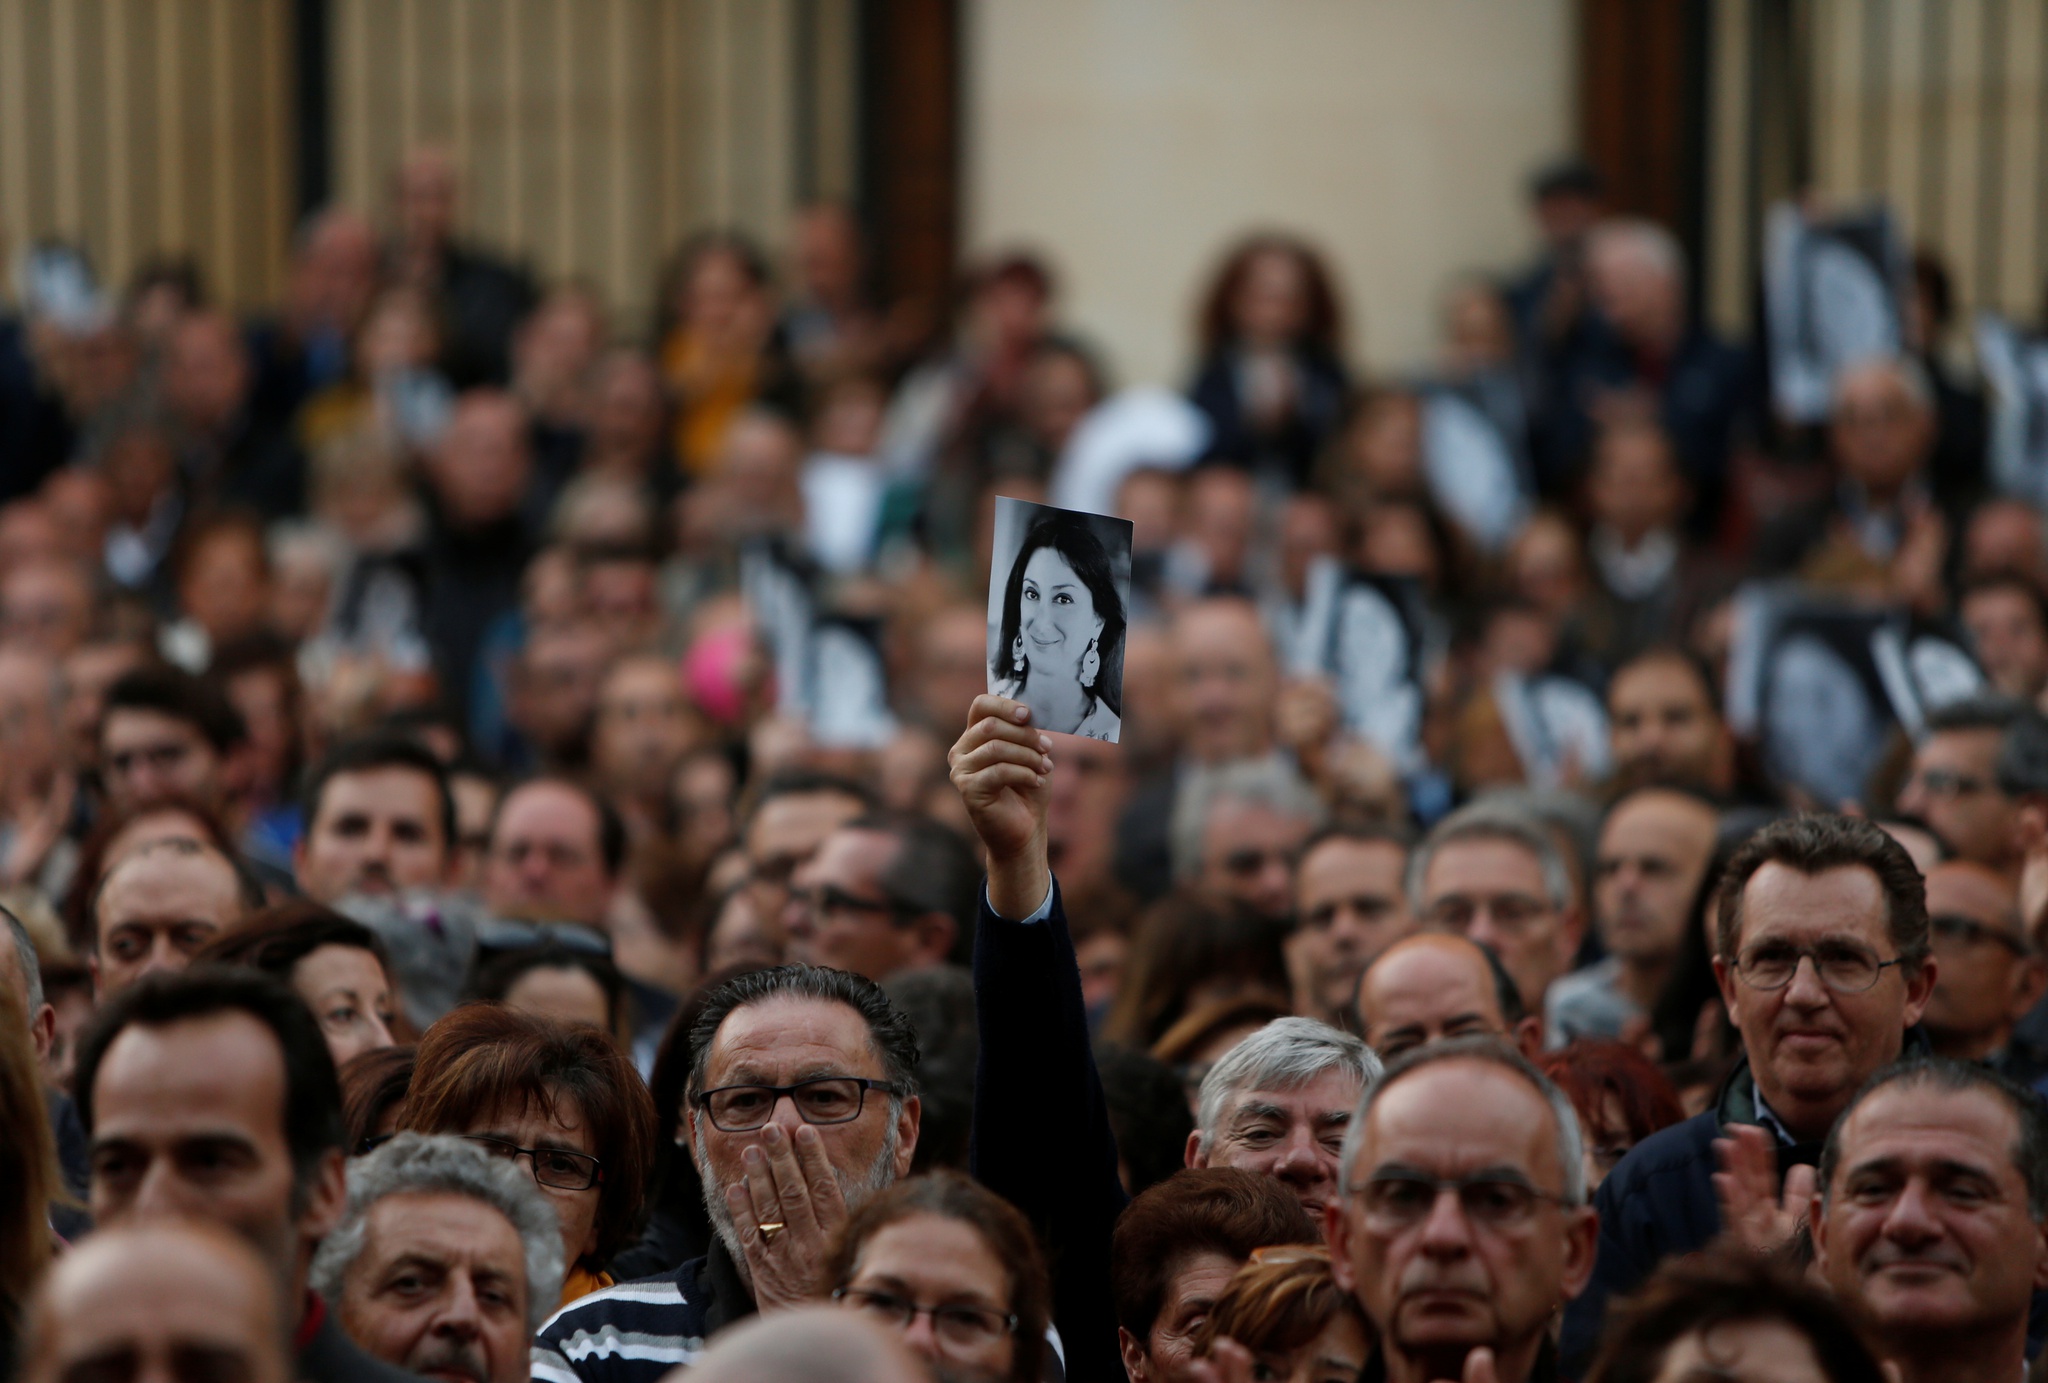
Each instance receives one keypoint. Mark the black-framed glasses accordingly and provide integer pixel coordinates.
(1842, 967)
(960, 1324)
(1399, 1200)
(556, 1167)
(1954, 928)
(829, 900)
(826, 1100)
(369, 1143)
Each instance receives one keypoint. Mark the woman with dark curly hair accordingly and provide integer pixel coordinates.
(1060, 649)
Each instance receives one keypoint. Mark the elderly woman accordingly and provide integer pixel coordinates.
(557, 1097)
(954, 1267)
(1062, 631)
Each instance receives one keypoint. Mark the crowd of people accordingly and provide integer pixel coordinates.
(438, 944)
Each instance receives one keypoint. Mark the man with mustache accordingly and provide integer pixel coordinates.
(379, 820)
(445, 1262)
(802, 1103)
(1931, 1222)
(1463, 1224)
(1822, 957)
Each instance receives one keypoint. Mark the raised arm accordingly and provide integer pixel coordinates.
(1041, 1138)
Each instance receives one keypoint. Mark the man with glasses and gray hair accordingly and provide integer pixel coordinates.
(445, 1262)
(1462, 1226)
(1279, 1102)
(1823, 960)
(801, 1104)
(1493, 874)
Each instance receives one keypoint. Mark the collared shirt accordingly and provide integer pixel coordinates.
(1768, 1117)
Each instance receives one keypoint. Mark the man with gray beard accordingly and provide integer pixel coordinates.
(801, 1103)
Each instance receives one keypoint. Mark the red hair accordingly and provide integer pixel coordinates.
(1592, 1070)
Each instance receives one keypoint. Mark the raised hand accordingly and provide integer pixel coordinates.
(1754, 1210)
(1001, 767)
(787, 1209)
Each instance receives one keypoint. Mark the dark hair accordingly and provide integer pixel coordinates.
(1726, 1285)
(379, 750)
(1571, 177)
(312, 1095)
(2023, 756)
(1593, 1070)
(802, 782)
(1074, 539)
(201, 529)
(275, 939)
(1324, 318)
(1185, 940)
(1007, 1235)
(1683, 657)
(1986, 712)
(1207, 1210)
(682, 265)
(1947, 1076)
(611, 829)
(1280, 1303)
(496, 977)
(373, 1083)
(173, 692)
(2007, 580)
(485, 1057)
(889, 1032)
(1816, 842)
(1148, 1113)
(939, 1002)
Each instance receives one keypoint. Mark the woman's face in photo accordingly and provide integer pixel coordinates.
(1055, 612)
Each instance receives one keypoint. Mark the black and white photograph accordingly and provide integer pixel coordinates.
(1059, 590)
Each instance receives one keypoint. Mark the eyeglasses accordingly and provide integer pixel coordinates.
(1242, 864)
(556, 1167)
(1960, 931)
(957, 1324)
(1510, 912)
(1946, 782)
(1844, 968)
(827, 1100)
(829, 900)
(1401, 1200)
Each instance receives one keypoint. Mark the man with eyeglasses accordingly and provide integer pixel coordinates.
(1954, 785)
(1989, 974)
(882, 896)
(209, 1095)
(1931, 1219)
(1822, 958)
(789, 819)
(1493, 874)
(1462, 1224)
(1238, 828)
(801, 1104)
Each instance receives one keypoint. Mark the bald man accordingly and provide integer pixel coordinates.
(1654, 850)
(1435, 986)
(812, 1344)
(162, 1300)
(1987, 974)
(157, 907)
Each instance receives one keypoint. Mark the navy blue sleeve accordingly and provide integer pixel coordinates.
(1042, 1137)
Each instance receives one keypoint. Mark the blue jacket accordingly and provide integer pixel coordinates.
(1042, 1138)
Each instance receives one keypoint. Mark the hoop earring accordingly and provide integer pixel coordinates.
(1091, 665)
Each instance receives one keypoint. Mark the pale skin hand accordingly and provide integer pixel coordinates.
(1753, 1212)
(793, 1185)
(1001, 767)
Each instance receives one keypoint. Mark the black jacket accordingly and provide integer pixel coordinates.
(1658, 1202)
(1041, 1136)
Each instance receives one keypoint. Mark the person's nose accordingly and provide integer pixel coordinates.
(1805, 990)
(785, 1117)
(1301, 1157)
(1445, 1232)
(1483, 929)
(380, 1033)
(461, 1315)
(163, 955)
(922, 1335)
(1913, 798)
(1911, 1221)
(161, 1193)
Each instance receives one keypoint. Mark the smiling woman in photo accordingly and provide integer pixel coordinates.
(1060, 649)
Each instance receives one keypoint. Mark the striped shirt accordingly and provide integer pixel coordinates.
(637, 1331)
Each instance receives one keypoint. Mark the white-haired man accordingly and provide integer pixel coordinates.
(446, 1260)
(1238, 829)
(1493, 874)
(1279, 1103)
